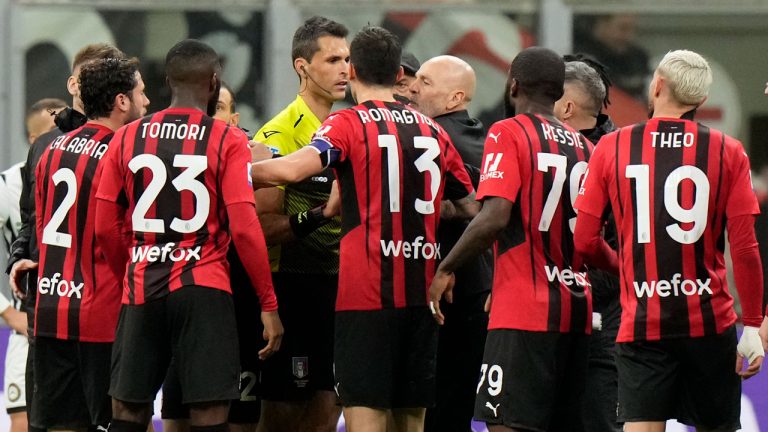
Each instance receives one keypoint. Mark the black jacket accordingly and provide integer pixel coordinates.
(468, 136)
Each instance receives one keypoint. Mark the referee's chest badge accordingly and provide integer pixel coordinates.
(300, 367)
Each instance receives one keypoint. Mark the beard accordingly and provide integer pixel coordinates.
(211, 108)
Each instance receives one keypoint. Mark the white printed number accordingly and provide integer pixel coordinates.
(245, 393)
(194, 164)
(495, 379)
(424, 163)
(560, 164)
(697, 214)
(51, 234)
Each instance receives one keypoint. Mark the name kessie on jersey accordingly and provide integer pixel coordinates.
(80, 145)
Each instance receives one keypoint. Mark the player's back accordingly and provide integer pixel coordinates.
(78, 295)
(673, 184)
(172, 165)
(392, 175)
(535, 287)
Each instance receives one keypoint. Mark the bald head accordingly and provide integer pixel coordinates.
(443, 84)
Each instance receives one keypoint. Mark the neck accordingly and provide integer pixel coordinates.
(365, 93)
(579, 124)
(77, 105)
(190, 97)
(319, 106)
(671, 111)
(528, 106)
(112, 122)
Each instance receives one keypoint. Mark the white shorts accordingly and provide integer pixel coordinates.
(15, 368)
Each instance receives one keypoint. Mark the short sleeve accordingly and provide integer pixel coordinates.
(334, 132)
(500, 173)
(593, 193)
(111, 182)
(235, 177)
(741, 197)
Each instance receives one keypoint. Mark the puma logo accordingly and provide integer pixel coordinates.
(494, 137)
(493, 408)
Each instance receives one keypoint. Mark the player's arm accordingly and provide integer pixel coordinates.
(591, 246)
(292, 168)
(748, 276)
(109, 234)
(479, 236)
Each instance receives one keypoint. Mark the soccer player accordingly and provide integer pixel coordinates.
(393, 165)
(443, 89)
(297, 383)
(244, 412)
(585, 94)
(39, 120)
(535, 359)
(78, 295)
(675, 185)
(181, 177)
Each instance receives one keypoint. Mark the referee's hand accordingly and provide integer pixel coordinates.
(273, 333)
(442, 284)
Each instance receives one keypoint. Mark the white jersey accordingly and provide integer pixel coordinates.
(10, 221)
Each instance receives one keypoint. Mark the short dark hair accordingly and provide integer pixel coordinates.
(47, 104)
(225, 86)
(305, 38)
(540, 73)
(191, 62)
(600, 68)
(102, 80)
(96, 51)
(375, 53)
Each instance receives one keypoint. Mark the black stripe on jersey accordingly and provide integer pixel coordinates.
(387, 270)
(554, 315)
(350, 211)
(703, 135)
(579, 305)
(514, 233)
(530, 207)
(139, 144)
(669, 253)
(638, 249)
(201, 236)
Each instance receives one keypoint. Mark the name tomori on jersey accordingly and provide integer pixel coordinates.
(92, 148)
(172, 131)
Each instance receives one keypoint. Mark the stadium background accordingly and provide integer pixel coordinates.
(38, 40)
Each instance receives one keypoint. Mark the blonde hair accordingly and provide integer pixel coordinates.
(688, 75)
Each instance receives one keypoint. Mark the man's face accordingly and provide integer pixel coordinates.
(403, 87)
(327, 74)
(139, 101)
(40, 123)
(428, 94)
(224, 111)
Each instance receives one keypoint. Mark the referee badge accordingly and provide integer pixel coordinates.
(14, 393)
(300, 367)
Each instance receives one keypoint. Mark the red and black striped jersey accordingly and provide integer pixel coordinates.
(537, 163)
(672, 184)
(393, 165)
(176, 171)
(78, 296)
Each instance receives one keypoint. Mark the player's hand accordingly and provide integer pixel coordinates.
(442, 284)
(333, 206)
(487, 305)
(750, 347)
(16, 320)
(19, 269)
(764, 333)
(259, 151)
(273, 333)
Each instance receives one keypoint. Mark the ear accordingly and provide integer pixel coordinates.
(214, 82)
(122, 102)
(660, 83)
(456, 98)
(234, 119)
(513, 88)
(570, 109)
(400, 74)
(353, 72)
(299, 65)
(72, 86)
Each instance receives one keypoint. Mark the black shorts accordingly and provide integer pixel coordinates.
(247, 408)
(532, 380)
(304, 363)
(71, 383)
(386, 359)
(689, 379)
(193, 325)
